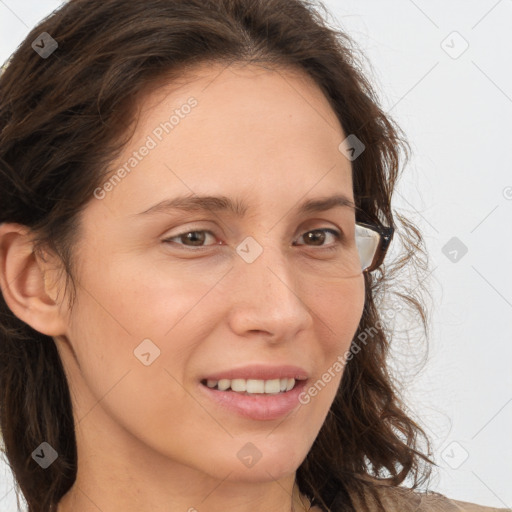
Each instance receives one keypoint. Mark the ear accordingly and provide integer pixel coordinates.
(25, 282)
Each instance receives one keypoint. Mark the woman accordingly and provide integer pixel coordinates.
(195, 208)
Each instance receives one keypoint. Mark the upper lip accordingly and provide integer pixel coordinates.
(260, 372)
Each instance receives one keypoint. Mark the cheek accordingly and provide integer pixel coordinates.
(115, 331)
(128, 314)
(339, 310)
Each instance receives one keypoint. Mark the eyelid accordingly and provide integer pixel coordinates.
(337, 233)
(334, 232)
(169, 239)
(193, 227)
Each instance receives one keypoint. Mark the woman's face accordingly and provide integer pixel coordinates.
(155, 318)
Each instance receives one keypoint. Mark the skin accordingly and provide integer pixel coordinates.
(147, 439)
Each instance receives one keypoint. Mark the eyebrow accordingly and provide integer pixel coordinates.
(239, 208)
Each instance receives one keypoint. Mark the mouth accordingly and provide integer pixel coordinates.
(254, 399)
(258, 391)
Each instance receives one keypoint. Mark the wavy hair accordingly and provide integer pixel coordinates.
(64, 118)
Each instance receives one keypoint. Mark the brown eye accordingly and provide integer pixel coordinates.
(190, 238)
(197, 238)
(317, 237)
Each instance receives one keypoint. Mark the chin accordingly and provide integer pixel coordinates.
(262, 472)
(260, 458)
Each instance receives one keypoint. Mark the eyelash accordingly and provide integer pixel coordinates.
(337, 234)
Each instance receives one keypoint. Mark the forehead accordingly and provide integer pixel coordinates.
(220, 128)
(237, 84)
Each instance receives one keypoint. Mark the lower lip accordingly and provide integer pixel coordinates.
(257, 407)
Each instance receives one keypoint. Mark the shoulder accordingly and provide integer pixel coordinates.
(399, 499)
(472, 507)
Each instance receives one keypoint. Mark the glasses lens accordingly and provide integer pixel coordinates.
(367, 241)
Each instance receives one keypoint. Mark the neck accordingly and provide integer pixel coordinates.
(82, 499)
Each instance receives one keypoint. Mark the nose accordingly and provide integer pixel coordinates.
(268, 298)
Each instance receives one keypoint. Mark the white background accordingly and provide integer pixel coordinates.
(456, 114)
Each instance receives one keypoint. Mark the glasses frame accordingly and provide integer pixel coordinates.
(386, 235)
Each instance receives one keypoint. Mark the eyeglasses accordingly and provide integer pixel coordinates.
(372, 242)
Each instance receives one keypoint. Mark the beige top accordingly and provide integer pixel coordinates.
(401, 500)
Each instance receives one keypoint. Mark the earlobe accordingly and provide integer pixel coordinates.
(25, 283)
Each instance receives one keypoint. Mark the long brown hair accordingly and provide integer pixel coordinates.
(63, 118)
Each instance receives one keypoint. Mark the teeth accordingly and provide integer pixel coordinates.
(251, 386)
(255, 386)
(238, 385)
(273, 386)
(224, 384)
